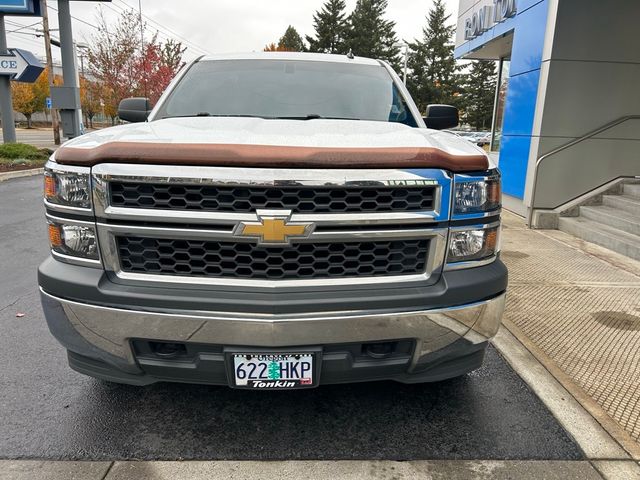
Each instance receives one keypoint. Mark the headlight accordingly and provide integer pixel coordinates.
(67, 188)
(473, 244)
(73, 240)
(476, 195)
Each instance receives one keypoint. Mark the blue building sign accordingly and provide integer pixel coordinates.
(566, 69)
(20, 7)
(20, 65)
(486, 31)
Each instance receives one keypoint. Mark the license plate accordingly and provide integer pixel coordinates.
(273, 371)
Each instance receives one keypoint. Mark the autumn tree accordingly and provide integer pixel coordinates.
(156, 67)
(171, 53)
(330, 24)
(24, 100)
(370, 34)
(112, 58)
(434, 74)
(123, 68)
(90, 95)
(271, 47)
(29, 98)
(41, 88)
(110, 100)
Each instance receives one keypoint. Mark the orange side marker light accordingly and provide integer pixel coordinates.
(49, 187)
(55, 236)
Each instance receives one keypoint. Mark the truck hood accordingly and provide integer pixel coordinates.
(229, 141)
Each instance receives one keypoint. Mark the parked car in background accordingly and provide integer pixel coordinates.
(478, 138)
(482, 139)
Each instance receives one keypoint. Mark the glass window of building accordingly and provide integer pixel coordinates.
(501, 96)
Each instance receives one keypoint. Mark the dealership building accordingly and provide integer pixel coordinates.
(567, 110)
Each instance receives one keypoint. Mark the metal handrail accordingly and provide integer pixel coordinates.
(593, 133)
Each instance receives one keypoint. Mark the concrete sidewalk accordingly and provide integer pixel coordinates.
(324, 470)
(579, 304)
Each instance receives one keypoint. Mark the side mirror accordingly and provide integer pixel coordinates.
(135, 109)
(440, 117)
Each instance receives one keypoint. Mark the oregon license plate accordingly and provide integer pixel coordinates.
(273, 371)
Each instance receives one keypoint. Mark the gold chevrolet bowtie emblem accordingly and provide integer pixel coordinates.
(274, 228)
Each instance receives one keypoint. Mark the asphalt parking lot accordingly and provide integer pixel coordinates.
(50, 412)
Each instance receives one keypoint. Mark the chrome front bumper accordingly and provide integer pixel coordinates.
(105, 333)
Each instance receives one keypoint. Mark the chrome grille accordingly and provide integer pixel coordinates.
(181, 225)
(251, 261)
(298, 199)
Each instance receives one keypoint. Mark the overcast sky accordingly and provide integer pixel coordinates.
(216, 26)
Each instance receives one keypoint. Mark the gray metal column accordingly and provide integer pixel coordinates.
(66, 44)
(70, 107)
(6, 106)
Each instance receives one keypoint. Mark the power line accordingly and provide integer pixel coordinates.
(162, 34)
(160, 28)
(22, 27)
(167, 29)
(31, 41)
(24, 33)
(165, 32)
(76, 18)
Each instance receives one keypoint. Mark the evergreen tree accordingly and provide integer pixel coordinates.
(434, 74)
(480, 90)
(330, 24)
(291, 41)
(370, 35)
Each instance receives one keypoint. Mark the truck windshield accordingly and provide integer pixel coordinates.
(291, 89)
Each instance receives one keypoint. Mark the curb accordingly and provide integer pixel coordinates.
(315, 470)
(20, 173)
(619, 434)
(593, 439)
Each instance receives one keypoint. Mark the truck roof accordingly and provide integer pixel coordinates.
(310, 57)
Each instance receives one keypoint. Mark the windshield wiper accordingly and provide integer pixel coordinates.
(311, 116)
(207, 114)
(315, 116)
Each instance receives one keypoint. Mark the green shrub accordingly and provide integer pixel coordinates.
(22, 150)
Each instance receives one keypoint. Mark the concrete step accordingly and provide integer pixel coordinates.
(603, 235)
(632, 190)
(620, 219)
(622, 202)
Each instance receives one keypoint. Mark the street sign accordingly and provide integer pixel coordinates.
(47, 103)
(20, 65)
(20, 7)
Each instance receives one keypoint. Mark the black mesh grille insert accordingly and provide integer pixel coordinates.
(299, 199)
(252, 261)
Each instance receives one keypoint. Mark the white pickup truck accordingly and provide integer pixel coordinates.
(276, 221)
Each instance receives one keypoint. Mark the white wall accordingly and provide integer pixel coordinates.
(592, 75)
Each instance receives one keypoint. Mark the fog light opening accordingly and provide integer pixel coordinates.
(380, 350)
(168, 350)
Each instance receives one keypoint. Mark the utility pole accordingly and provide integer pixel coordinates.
(83, 79)
(8, 127)
(47, 46)
(406, 61)
(142, 52)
